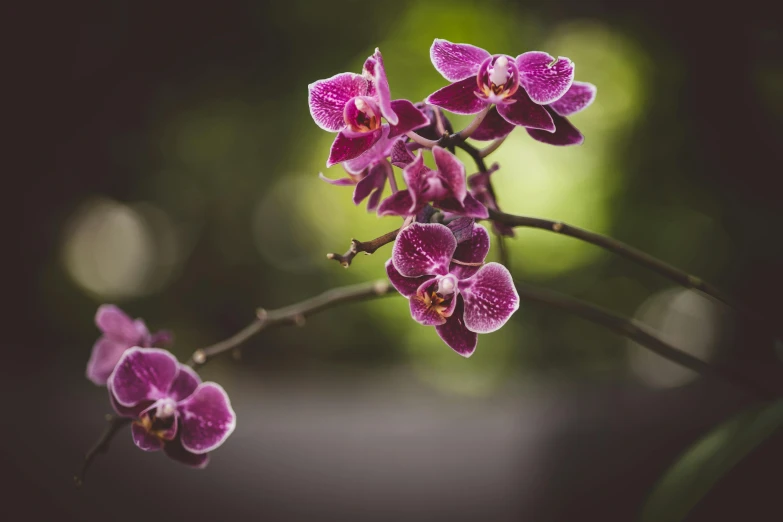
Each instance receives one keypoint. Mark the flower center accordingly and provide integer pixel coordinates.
(361, 114)
(160, 419)
(166, 408)
(498, 78)
(439, 297)
(447, 285)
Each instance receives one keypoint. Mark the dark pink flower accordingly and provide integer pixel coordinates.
(353, 105)
(449, 286)
(444, 188)
(172, 409)
(120, 332)
(518, 87)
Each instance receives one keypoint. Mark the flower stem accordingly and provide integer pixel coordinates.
(115, 424)
(492, 147)
(368, 247)
(473, 125)
(421, 140)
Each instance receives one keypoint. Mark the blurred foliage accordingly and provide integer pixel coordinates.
(709, 459)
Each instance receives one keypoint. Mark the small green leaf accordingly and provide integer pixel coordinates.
(704, 463)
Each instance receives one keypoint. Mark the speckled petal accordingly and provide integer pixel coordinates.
(349, 146)
(459, 97)
(105, 355)
(143, 374)
(145, 440)
(454, 333)
(493, 126)
(207, 418)
(456, 61)
(490, 298)
(410, 118)
(406, 286)
(525, 113)
(327, 99)
(400, 155)
(184, 384)
(423, 249)
(398, 204)
(474, 250)
(565, 133)
(578, 98)
(544, 78)
(375, 73)
(452, 171)
(378, 152)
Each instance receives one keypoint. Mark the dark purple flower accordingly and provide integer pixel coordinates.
(444, 188)
(448, 286)
(518, 87)
(120, 332)
(352, 105)
(481, 188)
(369, 172)
(172, 409)
(579, 96)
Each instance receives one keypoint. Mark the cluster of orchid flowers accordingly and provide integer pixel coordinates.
(438, 259)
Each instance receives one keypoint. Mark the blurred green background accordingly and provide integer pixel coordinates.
(175, 173)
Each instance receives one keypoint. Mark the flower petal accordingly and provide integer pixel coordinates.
(145, 440)
(398, 204)
(490, 298)
(160, 339)
(452, 171)
(174, 450)
(327, 98)
(375, 72)
(468, 208)
(116, 324)
(400, 155)
(346, 147)
(105, 355)
(406, 286)
(474, 250)
(142, 374)
(462, 228)
(423, 249)
(493, 126)
(207, 418)
(133, 412)
(459, 97)
(454, 333)
(416, 176)
(544, 78)
(578, 97)
(526, 113)
(340, 182)
(184, 384)
(410, 118)
(424, 314)
(373, 183)
(456, 61)
(565, 133)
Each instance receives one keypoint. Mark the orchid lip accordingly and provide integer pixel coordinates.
(361, 114)
(497, 78)
(447, 285)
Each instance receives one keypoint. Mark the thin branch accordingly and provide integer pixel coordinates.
(115, 424)
(421, 140)
(368, 247)
(473, 125)
(632, 330)
(492, 147)
(617, 247)
(294, 314)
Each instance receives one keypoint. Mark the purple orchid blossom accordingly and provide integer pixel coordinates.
(120, 332)
(518, 87)
(578, 97)
(444, 188)
(172, 409)
(352, 105)
(448, 286)
(369, 172)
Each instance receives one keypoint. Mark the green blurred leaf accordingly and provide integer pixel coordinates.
(704, 463)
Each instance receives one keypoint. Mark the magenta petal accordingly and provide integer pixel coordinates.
(175, 451)
(468, 208)
(342, 182)
(373, 183)
(375, 72)
(473, 250)
(398, 204)
(327, 98)
(544, 78)
(142, 374)
(347, 147)
(578, 97)
(105, 355)
(400, 155)
(184, 384)
(459, 97)
(410, 118)
(493, 126)
(207, 418)
(490, 298)
(407, 286)
(144, 439)
(525, 113)
(452, 171)
(378, 152)
(456, 61)
(423, 249)
(454, 333)
(565, 133)
(424, 314)
(133, 412)
(416, 176)
(117, 325)
(161, 338)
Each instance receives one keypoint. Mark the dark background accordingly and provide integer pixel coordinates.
(163, 159)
